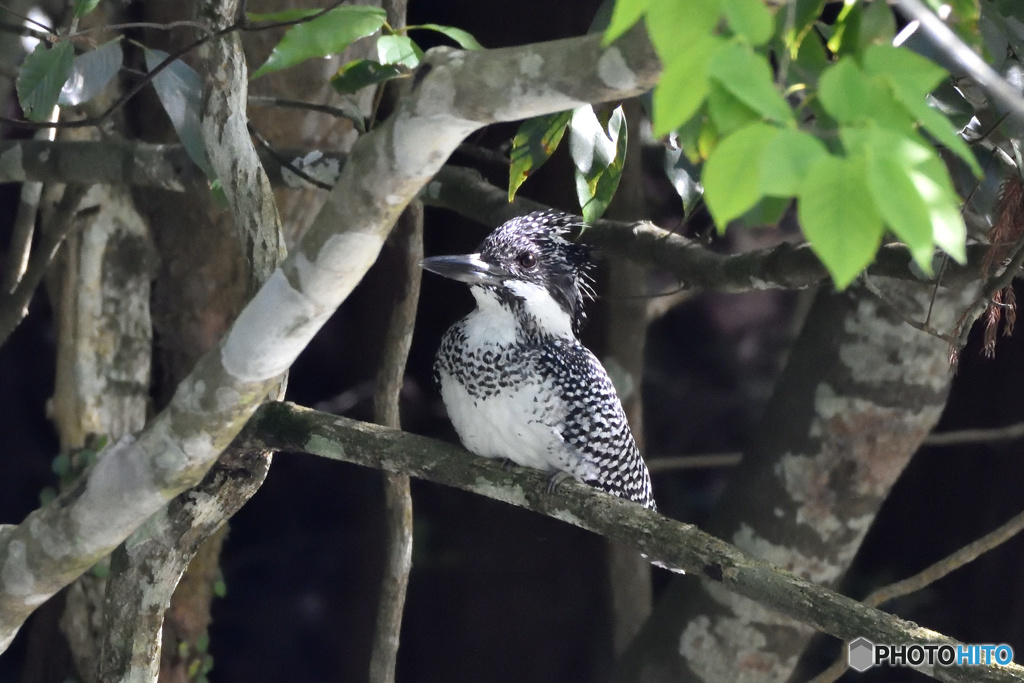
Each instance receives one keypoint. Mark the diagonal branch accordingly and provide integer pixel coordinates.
(453, 94)
(984, 75)
(287, 427)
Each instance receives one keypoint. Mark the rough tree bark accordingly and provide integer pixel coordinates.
(861, 391)
(454, 94)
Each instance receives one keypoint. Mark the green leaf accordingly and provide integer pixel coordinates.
(896, 197)
(750, 19)
(807, 13)
(465, 39)
(942, 129)
(599, 153)
(843, 91)
(625, 14)
(748, 76)
(852, 96)
(360, 73)
(180, 90)
(395, 49)
(787, 160)
(83, 7)
(326, 35)
(91, 72)
(683, 85)
(732, 174)
(676, 27)
(726, 111)
(767, 211)
(41, 77)
(877, 25)
(534, 143)
(907, 72)
(911, 188)
(842, 228)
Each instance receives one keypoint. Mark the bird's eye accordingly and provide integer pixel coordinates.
(526, 260)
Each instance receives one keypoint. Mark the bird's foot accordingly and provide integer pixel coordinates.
(555, 479)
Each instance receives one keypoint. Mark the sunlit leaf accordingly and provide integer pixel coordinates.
(843, 91)
(328, 34)
(677, 27)
(843, 229)
(41, 77)
(727, 111)
(599, 152)
(787, 160)
(732, 173)
(685, 178)
(395, 49)
(684, 85)
(91, 72)
(750, 19)
(533, 144)
(625, 14)
(748, 76)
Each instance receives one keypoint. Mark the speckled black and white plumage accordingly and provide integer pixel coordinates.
(517, 383)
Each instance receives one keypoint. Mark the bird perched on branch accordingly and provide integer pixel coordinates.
(516, 381)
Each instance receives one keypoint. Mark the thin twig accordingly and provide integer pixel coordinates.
(14, 308)
(928, 576)
(408, 240)
(285, 163)
(693, 462)
(338, 112)
(25, 220)
(895, 308)
(947, 41)
(992, 285)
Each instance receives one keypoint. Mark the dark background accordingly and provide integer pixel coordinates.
(498, 593)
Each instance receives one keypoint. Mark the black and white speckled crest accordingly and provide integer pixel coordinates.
(516, 381)
(533, 248)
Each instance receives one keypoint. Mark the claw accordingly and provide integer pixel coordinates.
(555, 479)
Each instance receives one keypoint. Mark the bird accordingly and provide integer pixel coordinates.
(517, 383)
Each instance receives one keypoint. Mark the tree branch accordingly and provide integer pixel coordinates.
(465, 191)
(984, 75)
(453, 94)
(287, 427)
(408, 239)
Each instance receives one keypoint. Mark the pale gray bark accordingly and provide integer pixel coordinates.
(453, 94)
(145, 570)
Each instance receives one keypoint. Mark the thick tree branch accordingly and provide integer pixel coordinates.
(466, 192)
(454, 93)
(287, 427)
(146, 570)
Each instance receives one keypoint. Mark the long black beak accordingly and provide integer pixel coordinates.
(466, 268)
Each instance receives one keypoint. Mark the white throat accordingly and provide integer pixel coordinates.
(496, 323)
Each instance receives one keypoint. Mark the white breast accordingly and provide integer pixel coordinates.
(510, 424)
